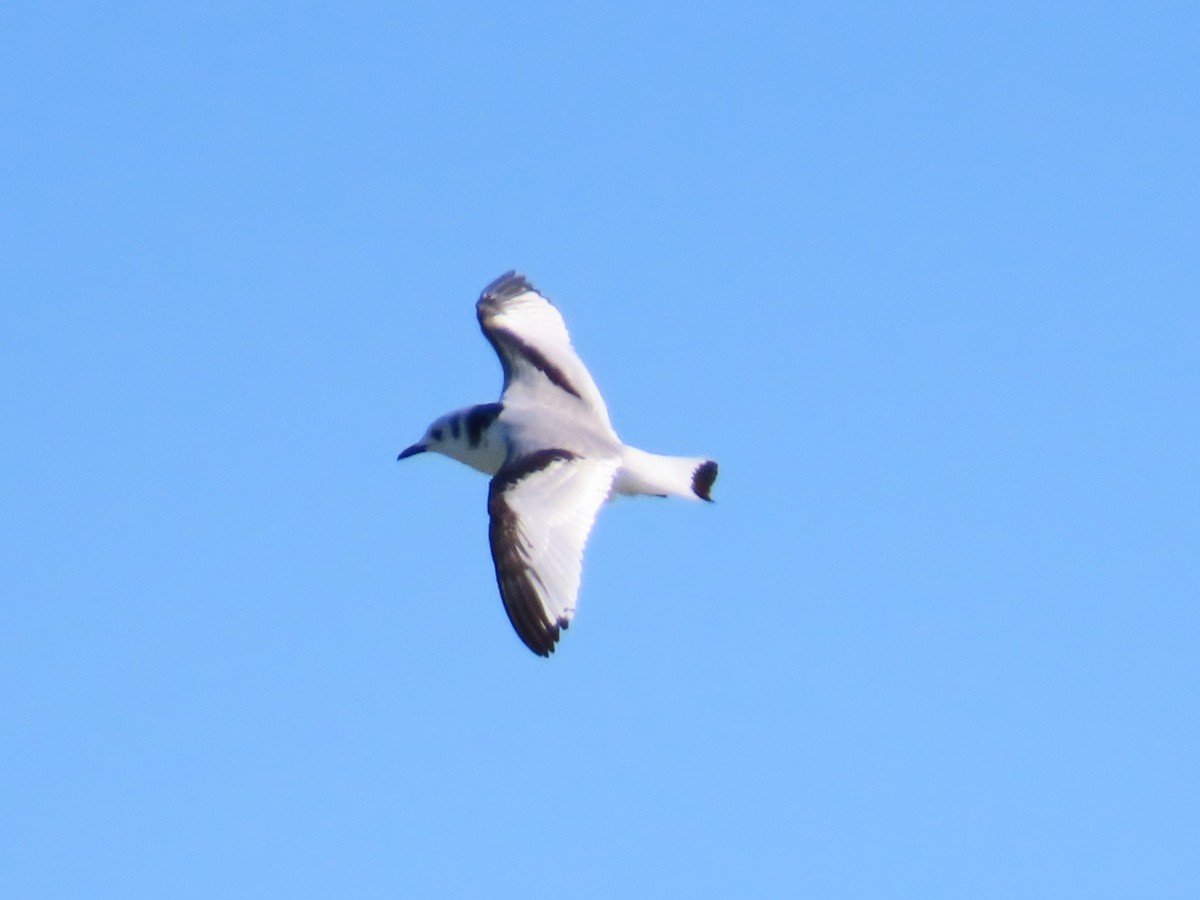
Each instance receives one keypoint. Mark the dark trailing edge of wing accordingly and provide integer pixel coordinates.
(513, 575)
(703, 478)
(508, 345)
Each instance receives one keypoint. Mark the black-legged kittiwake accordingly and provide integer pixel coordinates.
(553, 456)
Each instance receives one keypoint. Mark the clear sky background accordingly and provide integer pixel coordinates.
(924, 278)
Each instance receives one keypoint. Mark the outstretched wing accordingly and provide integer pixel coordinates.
(531, 339)
(542, 507)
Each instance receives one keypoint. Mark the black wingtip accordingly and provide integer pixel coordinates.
(703, 478)
(544, 644)
(540, 637)
(510, 284)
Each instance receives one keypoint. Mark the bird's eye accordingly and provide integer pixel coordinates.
(436, 434)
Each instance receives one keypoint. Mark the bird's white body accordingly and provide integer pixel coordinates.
(514, 430)
(553, 456)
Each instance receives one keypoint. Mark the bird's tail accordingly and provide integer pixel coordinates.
(650, 473)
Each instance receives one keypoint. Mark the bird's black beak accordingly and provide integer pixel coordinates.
(411, 451)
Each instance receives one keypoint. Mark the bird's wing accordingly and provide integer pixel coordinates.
(542, 507)
(531, 339)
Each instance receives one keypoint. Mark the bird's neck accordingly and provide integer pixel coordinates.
(487, 456)
(478, 442)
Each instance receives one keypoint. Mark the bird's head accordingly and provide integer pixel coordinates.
(463, 435)
(436, 438)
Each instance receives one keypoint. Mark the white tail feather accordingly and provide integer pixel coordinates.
(679, 476)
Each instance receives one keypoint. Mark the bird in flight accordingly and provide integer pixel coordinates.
(553, 457)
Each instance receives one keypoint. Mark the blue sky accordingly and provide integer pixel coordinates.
(922, 277)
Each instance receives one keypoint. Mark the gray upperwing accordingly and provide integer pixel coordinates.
(541, 509)
(530, 337)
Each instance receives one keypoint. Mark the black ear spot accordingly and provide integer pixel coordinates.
(436, 434)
